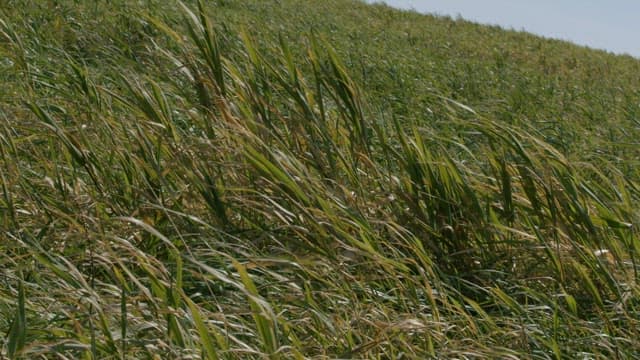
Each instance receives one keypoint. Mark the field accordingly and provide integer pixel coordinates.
(311, 179)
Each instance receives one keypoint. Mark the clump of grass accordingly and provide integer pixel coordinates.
(212, 195)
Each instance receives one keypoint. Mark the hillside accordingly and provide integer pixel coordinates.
(311, 179)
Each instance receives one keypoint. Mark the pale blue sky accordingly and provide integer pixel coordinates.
(613, 25)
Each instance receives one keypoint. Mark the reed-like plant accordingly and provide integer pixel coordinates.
(212, 192)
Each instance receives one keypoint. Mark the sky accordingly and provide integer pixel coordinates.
(612, 25)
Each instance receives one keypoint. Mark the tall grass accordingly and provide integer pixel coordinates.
(229, 198)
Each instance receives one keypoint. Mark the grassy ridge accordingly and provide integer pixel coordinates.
(238, 180)
(402, 57)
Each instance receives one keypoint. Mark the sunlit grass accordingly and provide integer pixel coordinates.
(193, 187)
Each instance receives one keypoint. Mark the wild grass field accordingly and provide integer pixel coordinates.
(311, 179)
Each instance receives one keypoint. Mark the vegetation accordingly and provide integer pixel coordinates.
(271, 179)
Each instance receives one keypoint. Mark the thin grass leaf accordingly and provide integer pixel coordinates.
(17, 335)
(203, 331)
(262, 314)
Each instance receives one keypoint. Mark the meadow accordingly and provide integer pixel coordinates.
(311, 179)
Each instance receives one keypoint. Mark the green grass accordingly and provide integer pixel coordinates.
(272, 179)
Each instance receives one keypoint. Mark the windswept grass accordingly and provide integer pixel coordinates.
(188, 187)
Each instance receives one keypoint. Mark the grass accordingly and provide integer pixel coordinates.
(239, 180)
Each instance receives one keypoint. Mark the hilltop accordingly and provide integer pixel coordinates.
(311, 179)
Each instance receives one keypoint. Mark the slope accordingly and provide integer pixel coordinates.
(311, 179)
